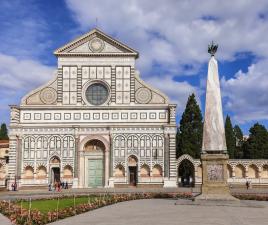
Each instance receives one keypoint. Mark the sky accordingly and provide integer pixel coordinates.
(171, 36)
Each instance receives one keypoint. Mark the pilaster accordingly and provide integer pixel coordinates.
(59, 85)
(132, 85)
(107, 161)
(79, 85)
(113, 79)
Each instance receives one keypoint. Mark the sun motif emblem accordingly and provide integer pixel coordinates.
(96, 45)
(48, 95)
(143, 95)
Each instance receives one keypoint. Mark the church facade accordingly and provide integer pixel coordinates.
(95, 124)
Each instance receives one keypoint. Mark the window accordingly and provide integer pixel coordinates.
(68, 146)
(158, 146)
(119, 145)
(29, 147)
(97, 94)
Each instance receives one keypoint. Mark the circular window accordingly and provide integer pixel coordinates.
(97, 94)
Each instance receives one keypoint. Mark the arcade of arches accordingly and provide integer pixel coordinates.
(238, 171)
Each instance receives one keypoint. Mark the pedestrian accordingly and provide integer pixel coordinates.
(247, 185)
(12, 186)
(49, 187)
(59, 185)
(66, 185)
(15, 186)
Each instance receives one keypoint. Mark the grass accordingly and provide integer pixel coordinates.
(45, 205)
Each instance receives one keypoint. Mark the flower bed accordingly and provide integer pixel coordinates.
(256, 197)
(20, 215)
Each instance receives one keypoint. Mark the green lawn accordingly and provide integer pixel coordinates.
(48, 205)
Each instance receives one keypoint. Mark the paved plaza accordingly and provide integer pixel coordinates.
(157, 211)
(165, 212)
(169, 212)
(4, 220)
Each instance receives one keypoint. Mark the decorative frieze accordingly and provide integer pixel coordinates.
(102, 116)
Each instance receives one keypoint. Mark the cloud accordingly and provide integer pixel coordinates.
(22, 74)
(24, 31)
(176, 33)
(174, 36)
(23, 41)
(246, 94)
(19, 77)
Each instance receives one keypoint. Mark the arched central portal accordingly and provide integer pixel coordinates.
(94, 150)
(132, 169)
(186, 173)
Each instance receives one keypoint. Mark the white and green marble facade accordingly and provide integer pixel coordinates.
(57, 122)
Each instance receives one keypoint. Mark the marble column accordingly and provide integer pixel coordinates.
(76, 169)
(19, 158)
(76, 158)
(107, 168)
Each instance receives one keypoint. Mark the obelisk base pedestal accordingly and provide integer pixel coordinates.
(214, 178)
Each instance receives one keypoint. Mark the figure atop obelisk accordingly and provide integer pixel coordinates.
(214, 155)
(213, 133)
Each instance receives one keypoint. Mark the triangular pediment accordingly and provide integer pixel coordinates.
(95, 43)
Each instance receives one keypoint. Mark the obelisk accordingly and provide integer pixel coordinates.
(214, 155)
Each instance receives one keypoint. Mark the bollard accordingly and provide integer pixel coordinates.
(8, 206)
(88, 199)
(20, 207)
(58, 202)
(29, 211)
(74, 205)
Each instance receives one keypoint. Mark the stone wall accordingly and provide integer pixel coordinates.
(239, 171)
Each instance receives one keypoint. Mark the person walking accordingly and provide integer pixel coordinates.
(59, 186)
(55, 186)
(247, 185)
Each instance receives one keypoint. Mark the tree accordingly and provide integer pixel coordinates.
(189, 135)
(230, 137)
(239, 142)
(3, 132)
(256, 146)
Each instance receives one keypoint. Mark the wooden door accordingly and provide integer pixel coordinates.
(95, 173)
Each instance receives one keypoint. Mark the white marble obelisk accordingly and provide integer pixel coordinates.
(214, 157)
(213, 131)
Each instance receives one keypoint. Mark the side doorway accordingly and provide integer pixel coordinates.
(132, 170)
(132, 175)
(55, 172)
(186, 174)
(55, 165)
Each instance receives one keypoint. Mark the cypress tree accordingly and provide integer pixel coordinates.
(3, 132)
(257, 143)
(189, 135)
(239, 142)
(230, 137)
(245, 149)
